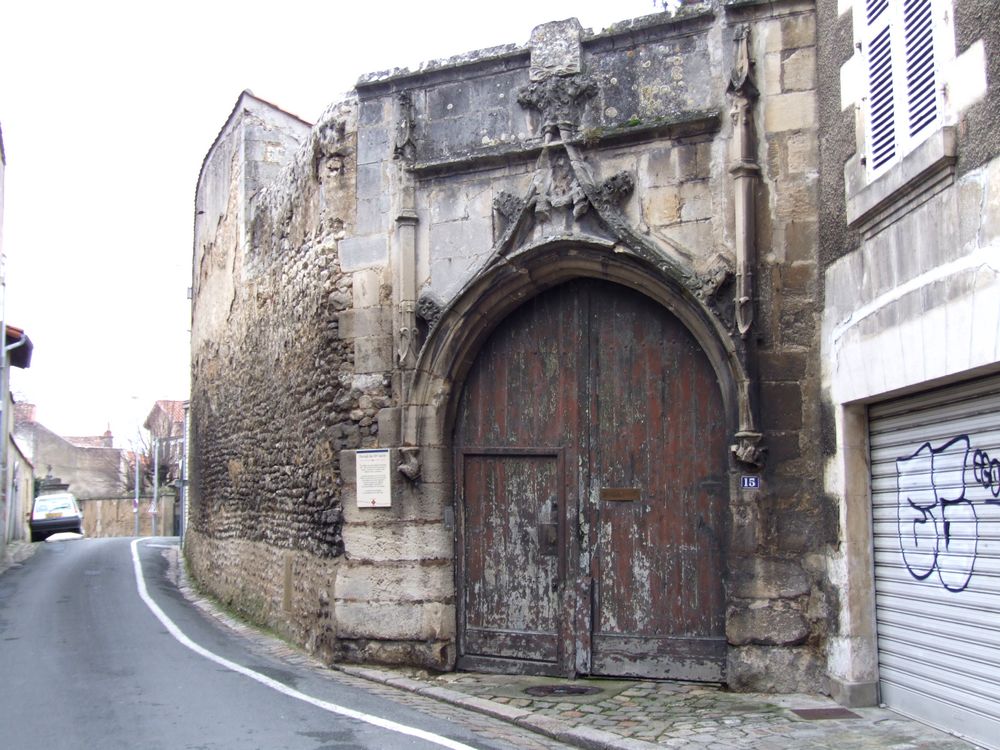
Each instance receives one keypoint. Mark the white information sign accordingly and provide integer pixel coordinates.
(374, 478)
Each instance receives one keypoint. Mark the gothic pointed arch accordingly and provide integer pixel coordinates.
(460, 329)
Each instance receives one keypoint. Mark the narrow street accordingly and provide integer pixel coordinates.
(98, 648)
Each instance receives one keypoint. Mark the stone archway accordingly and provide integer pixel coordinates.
(569, 634)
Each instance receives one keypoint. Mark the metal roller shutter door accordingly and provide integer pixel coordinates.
(935, 465)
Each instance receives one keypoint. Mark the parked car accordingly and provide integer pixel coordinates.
(54, 513)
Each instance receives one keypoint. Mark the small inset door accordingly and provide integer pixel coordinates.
(515, 562)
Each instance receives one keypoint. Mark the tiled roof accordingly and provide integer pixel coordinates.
(173, 409)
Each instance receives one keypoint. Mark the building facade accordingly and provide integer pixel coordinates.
(91, 466)
(512, 362)
(910, 258)
(165, 423)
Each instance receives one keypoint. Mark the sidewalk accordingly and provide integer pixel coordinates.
(16, 552)
(631, 714)
(638, 714)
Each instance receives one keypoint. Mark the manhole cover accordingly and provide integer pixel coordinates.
(815, 714)
(541, 691)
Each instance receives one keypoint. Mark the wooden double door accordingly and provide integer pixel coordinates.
(592, 476)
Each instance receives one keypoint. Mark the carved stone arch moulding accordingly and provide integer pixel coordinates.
(467, 321)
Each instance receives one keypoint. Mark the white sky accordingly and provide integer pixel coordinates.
(107, 109)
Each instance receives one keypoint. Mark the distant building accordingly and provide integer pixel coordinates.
(92, 467)
(166, 430)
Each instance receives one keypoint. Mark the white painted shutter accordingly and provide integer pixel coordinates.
(903, 102)
(921, 84)
(935, 463)
(881, 110)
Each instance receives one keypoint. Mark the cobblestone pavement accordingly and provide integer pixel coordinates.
(646, 714)
(622, 714)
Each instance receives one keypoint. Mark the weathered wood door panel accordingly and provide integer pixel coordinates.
(512, 570)
(591, 418)
(658, 437)
(517, 424)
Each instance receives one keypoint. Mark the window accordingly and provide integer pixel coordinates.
(903, 44)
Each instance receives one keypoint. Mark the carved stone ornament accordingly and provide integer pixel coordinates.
(556, 185)
(409, 463)
(428, 310)
(407, 352)
(560, 101)
(508, 205)
(745, 173)
(748, 449)
(563, 189)
(706, 285)
(615, 189)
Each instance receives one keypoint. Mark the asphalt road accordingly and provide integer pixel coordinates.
(98, 649)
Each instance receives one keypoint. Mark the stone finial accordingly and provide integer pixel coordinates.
(739, 78)
(555, 49)
(558, 87)
(405, 147)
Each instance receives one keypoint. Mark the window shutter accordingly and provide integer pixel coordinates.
(921, 88)
(881, 118)
(903, 104)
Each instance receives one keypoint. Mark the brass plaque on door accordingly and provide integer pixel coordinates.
(620, 494)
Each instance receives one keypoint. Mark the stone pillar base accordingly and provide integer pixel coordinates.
(854, 694)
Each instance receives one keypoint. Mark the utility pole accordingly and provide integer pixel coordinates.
(156, 480)
(135, 502)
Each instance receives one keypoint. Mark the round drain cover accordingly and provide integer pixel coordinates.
(543, 690)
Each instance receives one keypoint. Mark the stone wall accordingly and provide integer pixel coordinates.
(106, 517)
(338, 268)
(90, 471)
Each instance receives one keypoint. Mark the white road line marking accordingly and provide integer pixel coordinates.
(176, 632)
